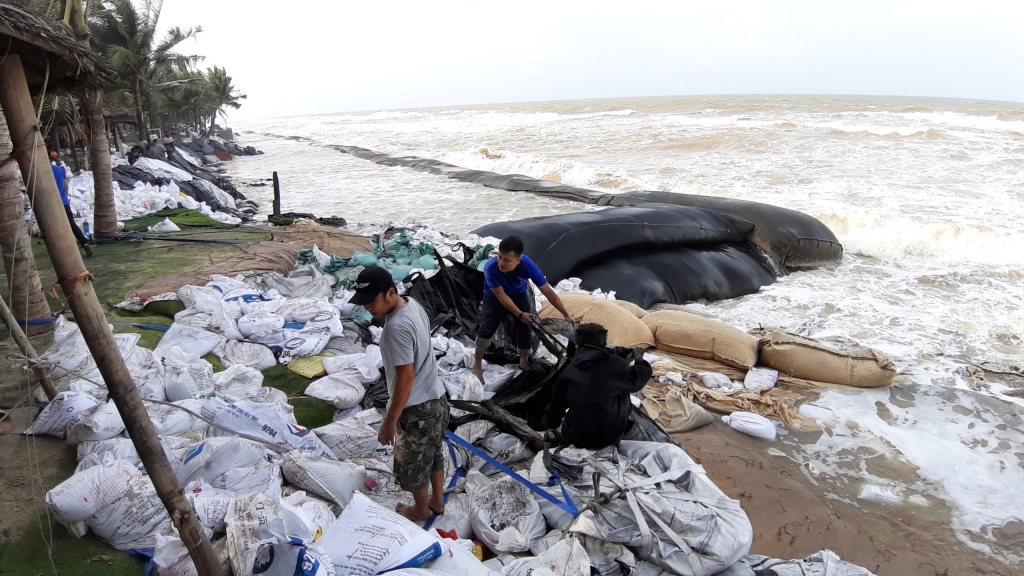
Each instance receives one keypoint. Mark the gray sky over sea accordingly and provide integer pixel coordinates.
(326, 56)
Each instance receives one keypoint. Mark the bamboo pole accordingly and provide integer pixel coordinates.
(56, 140)
(117, 137)
(26, 348)
(277, 196)
(71, 143)
(76, 282)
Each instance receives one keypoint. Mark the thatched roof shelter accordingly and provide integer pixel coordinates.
(49, 52)
(118, 115)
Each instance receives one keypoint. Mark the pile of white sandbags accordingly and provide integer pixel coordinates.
(272, 494)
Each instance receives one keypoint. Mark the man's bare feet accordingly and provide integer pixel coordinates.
(436, 504)
(413, 513)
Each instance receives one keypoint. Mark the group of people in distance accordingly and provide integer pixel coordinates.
(153, 149)
(590, 405)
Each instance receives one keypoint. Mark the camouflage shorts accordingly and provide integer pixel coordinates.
(420, 444)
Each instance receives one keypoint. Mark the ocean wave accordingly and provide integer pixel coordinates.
(571, 172)
(898, 238)
(986, 122)
(795, 123)
(715, 121)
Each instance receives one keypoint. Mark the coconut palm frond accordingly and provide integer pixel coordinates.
(62, 108)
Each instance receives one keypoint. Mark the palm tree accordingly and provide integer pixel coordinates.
(186, 99)
(222, 93)
(127, 35)
(105, 212)
(26, 291)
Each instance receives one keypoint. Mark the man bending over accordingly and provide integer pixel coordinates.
(417, 412)
(505, 293)
(590, 400)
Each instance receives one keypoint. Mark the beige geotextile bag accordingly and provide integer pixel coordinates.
(700, 337)
(624, 329)
(630, 307)
(810, 360)
(672, 410)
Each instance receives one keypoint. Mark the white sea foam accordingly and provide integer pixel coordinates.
(914, 238)
(962, 450)
(973, 121)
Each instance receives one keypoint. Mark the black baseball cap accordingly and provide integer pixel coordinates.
(371, 283)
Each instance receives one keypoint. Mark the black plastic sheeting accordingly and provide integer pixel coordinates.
(519, 407)
(451, 299)
(177, 159)
(200, 195)
(791, 238)
(126, 176)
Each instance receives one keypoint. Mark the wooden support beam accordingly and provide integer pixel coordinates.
(72, 136)
(76, 283)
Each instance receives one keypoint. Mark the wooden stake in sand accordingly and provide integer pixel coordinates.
(76, 282)
(277, 196)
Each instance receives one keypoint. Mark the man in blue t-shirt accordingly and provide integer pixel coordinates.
(61, 176)
(505, 284)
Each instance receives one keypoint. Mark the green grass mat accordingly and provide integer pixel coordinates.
(180, 216)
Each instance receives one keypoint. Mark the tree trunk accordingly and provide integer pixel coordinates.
(140, 123)
(27, 299)
(104, 211)
(213, 122)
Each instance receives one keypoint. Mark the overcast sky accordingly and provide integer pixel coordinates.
(307, 56)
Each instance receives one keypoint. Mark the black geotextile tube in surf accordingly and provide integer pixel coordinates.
(677, 275)
(794, 239)
(791, 238)
(565, 243)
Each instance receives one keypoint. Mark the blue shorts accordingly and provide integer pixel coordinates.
(492, 312)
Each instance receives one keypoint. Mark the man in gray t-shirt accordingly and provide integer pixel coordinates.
(417, 413)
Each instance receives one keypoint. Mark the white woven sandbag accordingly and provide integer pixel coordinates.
(259, 324)
(758, 379)
(329, 320)
(103, 423)
(60, 412)
(751, 424)
(343, 389)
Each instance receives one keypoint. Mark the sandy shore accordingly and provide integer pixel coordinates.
(794, 514)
